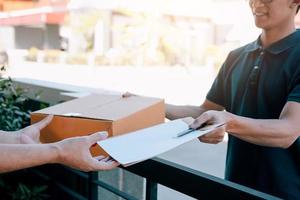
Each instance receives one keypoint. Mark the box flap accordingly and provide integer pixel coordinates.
(100, 106)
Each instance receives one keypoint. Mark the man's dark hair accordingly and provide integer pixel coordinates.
(298, 9)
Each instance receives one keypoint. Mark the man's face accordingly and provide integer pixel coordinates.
(270, 14)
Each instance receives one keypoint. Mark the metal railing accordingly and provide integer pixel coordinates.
(155, 171)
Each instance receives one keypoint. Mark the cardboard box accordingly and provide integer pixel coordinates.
(96, 112)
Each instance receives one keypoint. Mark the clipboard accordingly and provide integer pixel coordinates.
(146, 143)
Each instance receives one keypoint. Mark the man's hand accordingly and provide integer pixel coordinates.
(188, 120)
(31, 134)
(74, 152)
(210, 118)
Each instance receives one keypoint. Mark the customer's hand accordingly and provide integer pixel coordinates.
(74, 152)
(31, 134)
(211, 118)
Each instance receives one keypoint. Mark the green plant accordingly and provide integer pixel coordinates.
(13, 114)
(19, 186)
(23, 191)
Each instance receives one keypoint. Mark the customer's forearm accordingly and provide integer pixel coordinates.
(175, 112)
(9, 137)
(19, 156)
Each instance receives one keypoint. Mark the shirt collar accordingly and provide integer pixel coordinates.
(279, 46)
(254, 46)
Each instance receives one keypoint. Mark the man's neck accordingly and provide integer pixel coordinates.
(270, 36)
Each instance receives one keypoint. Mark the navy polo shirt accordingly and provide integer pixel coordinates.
(257, 83)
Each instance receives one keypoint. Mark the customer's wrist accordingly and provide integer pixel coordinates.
(56, 152)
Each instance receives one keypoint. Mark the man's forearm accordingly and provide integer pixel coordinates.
(24, 156)
(266, 132)
(175, 112)
(9, 137)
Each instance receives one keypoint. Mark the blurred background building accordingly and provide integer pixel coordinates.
(126, 32)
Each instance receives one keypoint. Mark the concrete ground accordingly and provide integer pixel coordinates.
(177, 85)
(206, 158)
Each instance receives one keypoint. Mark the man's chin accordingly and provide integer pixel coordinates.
(261, 25)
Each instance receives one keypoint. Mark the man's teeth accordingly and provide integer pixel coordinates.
(259, 14)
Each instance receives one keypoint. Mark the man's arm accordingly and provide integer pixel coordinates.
(175, 112)
(280, 132)
(73, 152)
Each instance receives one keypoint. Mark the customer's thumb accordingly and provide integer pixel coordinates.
(97, 137)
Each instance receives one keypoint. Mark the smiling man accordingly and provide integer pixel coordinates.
(257, 95)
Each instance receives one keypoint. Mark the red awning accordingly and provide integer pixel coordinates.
(35, 16)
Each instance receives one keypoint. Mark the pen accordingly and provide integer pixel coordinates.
(186, 132)
(190, 130)
(204, 126)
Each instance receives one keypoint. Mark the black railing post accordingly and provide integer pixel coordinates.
(93, 188)
(151, 190)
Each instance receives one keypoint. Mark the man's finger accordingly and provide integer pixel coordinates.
(188, 120)
(106, 159)
(215, 133)
(101, 165)
(210, 140)
(199, 121)
(94, 138)
(99, 157)
(43, 123)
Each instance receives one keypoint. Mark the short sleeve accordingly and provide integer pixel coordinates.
(294, 94)
(216, 92)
